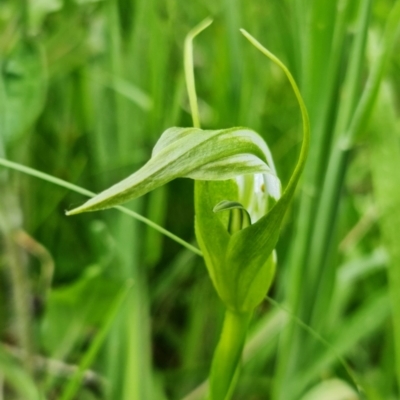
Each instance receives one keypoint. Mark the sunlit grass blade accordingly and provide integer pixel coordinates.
(385, 156)
(320, 273)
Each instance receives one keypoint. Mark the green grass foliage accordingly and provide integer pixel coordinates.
(104, 306)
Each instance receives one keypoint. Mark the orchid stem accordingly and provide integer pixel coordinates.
(226, 361)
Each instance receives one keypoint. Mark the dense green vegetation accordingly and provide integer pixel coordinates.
(104, 306)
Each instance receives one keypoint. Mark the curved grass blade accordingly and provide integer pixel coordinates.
(77, 189)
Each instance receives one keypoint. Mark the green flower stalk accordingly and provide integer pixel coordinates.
(239, 209)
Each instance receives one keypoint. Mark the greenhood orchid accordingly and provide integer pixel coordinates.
(233, 166)
(239, 209)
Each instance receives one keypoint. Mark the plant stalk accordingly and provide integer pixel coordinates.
(227, 355)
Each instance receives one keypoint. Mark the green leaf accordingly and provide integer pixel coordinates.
(22, 89)
(191, 153)
(74, 384)
(73, 307)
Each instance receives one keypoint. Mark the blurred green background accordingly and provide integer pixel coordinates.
(86, 88)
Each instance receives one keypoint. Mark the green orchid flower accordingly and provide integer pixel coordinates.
(239, 209)
(225, 214)
(234, 165)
